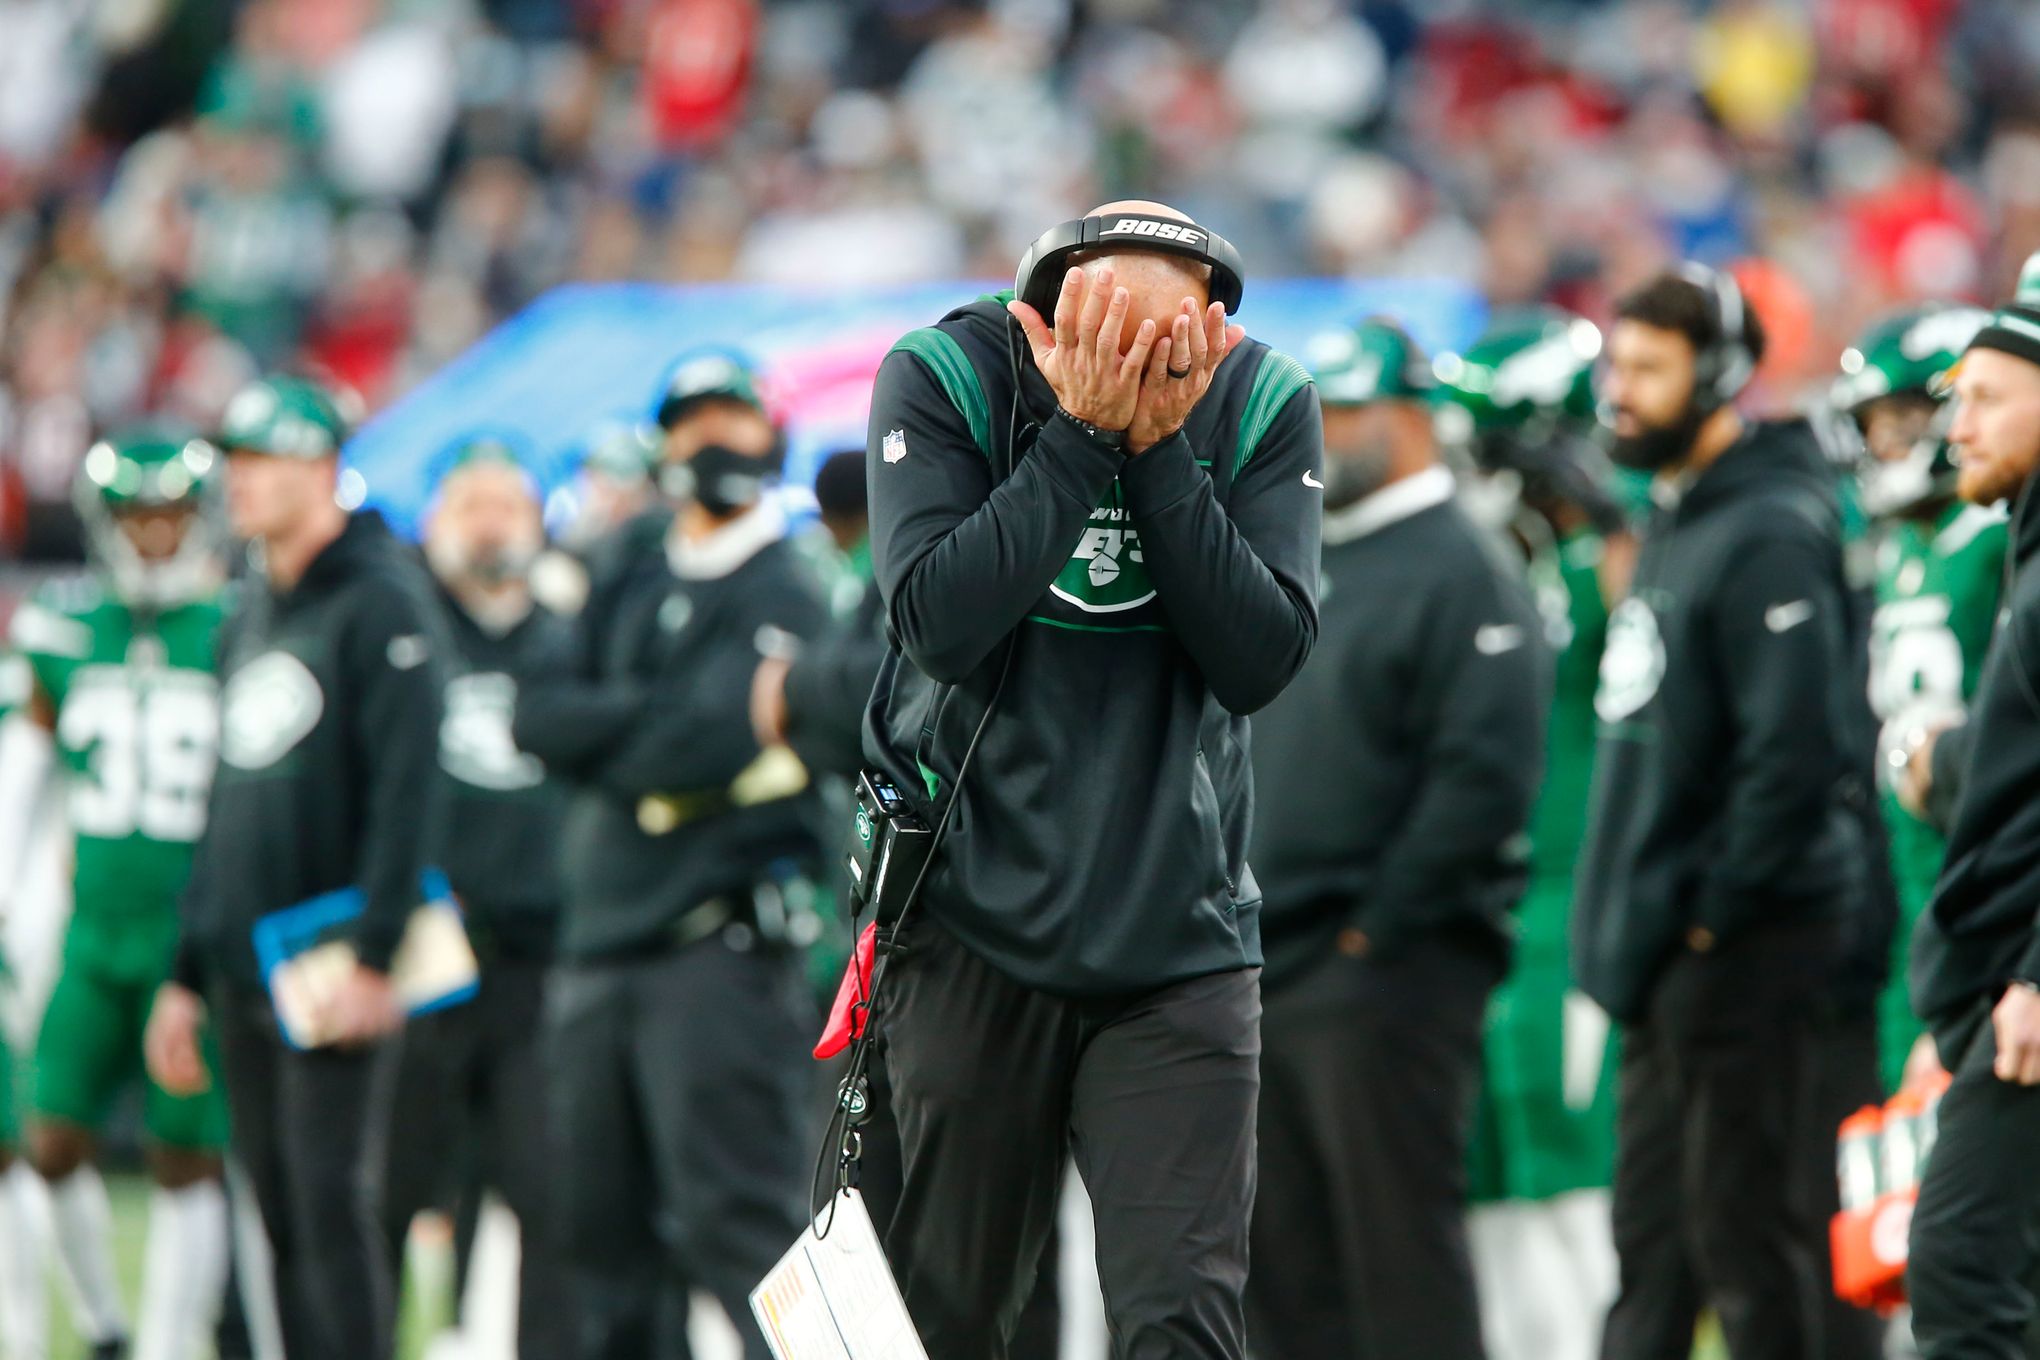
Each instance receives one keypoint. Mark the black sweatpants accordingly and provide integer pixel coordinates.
(1718, 1119)
(1849, 1079)
(995, 1085)
(308, 1129)
(1038, 1334)
(1976, 1229)
(1368, 1084)
(682, 1094)
(470, 1089)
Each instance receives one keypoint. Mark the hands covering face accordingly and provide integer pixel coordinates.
(1149, 390)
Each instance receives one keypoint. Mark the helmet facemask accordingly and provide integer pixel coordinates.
(1923, 474)
(125, 494)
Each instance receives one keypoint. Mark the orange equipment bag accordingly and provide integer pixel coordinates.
(1881, 1152)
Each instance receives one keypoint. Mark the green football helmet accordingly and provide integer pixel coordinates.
(284, 417)
(1519, 405)
(1906, 355)
(623, 450)
(1373, 361)
(124, 485)
(1529, 368)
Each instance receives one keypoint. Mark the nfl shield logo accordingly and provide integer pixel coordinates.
(895, 446)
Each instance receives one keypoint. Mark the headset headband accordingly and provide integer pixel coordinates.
(1041, 269)
(1724, 368)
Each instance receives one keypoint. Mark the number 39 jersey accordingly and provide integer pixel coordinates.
(137, 729)
(1937, 597)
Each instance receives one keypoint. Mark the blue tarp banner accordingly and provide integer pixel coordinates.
(587, 352)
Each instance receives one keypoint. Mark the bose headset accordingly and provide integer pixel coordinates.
(1037, 282)
(1041, 271)
(1723, 369)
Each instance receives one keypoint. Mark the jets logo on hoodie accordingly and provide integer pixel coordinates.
(1632, 662)
(269, 706)
(1106, 573)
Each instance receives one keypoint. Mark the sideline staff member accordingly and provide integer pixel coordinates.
(470, 1089)
(1395, 780)
(330, 687)
(676, 1022)
(1726, 849)
(1082, 972)
(1976, 951)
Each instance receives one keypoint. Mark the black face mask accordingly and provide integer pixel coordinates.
(1655, 446)
(503, 563)
(719, 479)
(1352, 475)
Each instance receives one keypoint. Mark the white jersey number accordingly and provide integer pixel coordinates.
(1915, 658)
(149, 749)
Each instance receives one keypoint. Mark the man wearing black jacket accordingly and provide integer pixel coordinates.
(815, 701)
(1975, 975)
(1725, 851)
(330, 679)
(470, 1090)
(677, 1022)
(1082, 972)
(1394, 781)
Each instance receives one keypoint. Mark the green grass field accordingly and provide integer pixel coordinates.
(423, 1314)
(424, 1311)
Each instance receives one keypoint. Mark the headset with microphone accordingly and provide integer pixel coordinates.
(1041, 271)
(1721, 370)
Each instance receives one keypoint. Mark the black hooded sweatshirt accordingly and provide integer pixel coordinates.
(504, 811)
(1395, 778)
(1982, 928)
(651, 728)
(330, 697)
(1099, 843)
(1725, 780)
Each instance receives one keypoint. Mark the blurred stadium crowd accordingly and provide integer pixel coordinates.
(193, 190)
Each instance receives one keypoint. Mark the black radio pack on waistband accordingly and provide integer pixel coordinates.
(889, 847)
(1042, 268)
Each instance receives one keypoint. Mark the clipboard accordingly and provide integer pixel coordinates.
(434, 966)
(833, 1297)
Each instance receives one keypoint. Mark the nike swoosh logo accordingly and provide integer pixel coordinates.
(1780, 618)
(1496, 638)
(1312, 482)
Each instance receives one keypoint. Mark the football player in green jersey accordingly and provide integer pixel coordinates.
(121, 668)
(1520, 406)
(1940, 566)
(24, 1293)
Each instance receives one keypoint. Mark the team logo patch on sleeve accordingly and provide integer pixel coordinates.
(894, 446)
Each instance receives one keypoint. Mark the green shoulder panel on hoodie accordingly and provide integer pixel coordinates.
(944, 358)
(1277, 380)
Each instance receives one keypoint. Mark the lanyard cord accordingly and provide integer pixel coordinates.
(844, 1135)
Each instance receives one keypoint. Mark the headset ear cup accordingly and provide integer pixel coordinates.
(1023, 277)
(1723, 369)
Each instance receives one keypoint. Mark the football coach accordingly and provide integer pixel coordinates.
(1095, 508)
